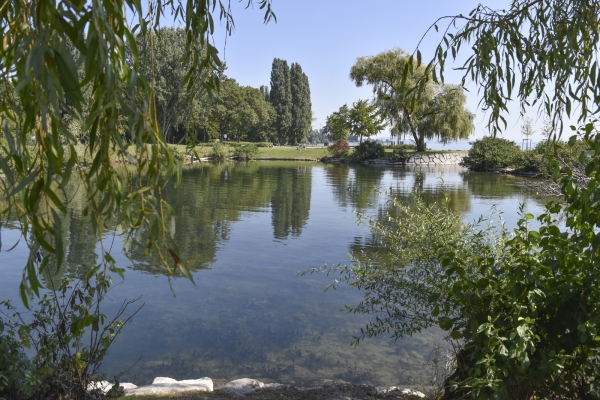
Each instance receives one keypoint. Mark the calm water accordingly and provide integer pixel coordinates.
(245, 231)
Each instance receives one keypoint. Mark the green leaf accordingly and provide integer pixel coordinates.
(445, 323)
(32, 175)
(456, 335)
(58, 240)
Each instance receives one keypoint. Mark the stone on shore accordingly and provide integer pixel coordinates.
(163, 385)
(242, 386)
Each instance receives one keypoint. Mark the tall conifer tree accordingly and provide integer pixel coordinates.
(281, 98)
(301, 104)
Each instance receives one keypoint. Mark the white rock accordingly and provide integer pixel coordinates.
(164, 385)
(242, 386)
(103, 386)
(161, 379)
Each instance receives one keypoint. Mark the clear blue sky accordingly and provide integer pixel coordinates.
(326, 36)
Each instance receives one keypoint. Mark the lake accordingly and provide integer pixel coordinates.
(245, 230)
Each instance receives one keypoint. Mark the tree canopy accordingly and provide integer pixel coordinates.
(364, 119)
(337, 126)
(438, 112)
(290, 97)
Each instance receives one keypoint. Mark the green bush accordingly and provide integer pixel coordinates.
(490, 153)
(220, 152)
(404, 146)
(339, 149)
(68, 337)
(398, 154)
(245, 151)
(537, 159)
(18, 378)
(368, 150)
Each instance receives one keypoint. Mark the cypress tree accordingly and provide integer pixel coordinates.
(281, 98)
(301, 105)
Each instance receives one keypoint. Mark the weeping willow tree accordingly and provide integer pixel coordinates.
(436, 111)
(67, 63)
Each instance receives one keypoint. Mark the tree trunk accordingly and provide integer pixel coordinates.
(419, 140)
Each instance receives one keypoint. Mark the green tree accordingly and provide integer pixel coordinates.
(364, 119)
(281, 99)
(162, 65)
(301, 105)
(337, 125)
(438, 111)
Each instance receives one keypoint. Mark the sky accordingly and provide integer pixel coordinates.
(327, 36)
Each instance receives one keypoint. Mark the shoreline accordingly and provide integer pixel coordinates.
(163, 386)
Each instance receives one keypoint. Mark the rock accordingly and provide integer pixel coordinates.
(103, 386)
(275, 386)
(242, 386)
(394, 391)
(127, 386)
(106, 387)
(164, 385)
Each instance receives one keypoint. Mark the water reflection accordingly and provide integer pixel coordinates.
(245, 229)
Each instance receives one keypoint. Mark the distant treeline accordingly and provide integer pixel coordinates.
(281, 113)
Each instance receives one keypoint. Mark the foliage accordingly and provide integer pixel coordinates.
(557, 69)
(240, 112)
(523, 304)
(281, 98)
(220, 152)
(245, 151)
(398, 280)
(162, 65)
(489, 153)
(69, 337)
(537, 159)
(46, 46)
(337, 125)
(437, 112)
(18, 379)
(339, 149)
(532, 315)
(398, 154)
(368, 150)
(178, 155)
(364, 119)
(301, 105)
(404, 146)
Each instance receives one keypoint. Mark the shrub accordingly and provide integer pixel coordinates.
(537, 159)
(18, 378)
(219, 152)
(339, 149)
(245, 151)
(398, 154)
(68, 336)
(368, 150)
(489, 153)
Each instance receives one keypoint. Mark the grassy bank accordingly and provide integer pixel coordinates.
(292, 153)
